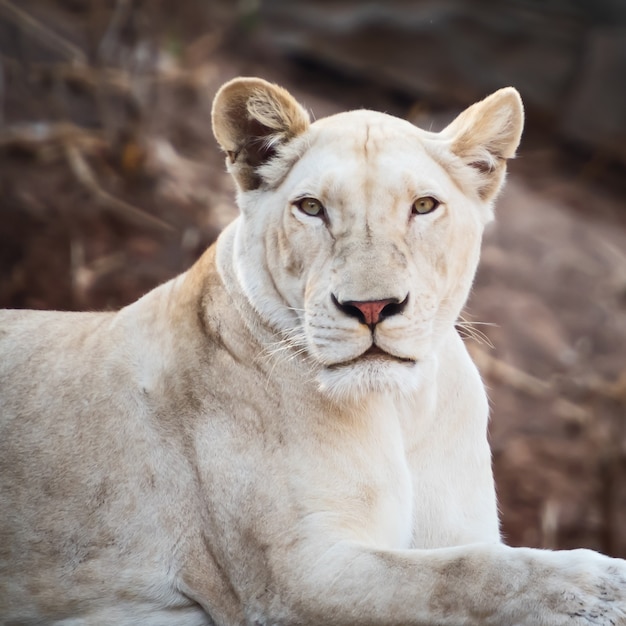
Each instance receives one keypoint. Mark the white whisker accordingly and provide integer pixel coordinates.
(468, 330)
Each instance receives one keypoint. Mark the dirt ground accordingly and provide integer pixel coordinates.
(111, 182)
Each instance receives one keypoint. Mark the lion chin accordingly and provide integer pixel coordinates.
(373, 371)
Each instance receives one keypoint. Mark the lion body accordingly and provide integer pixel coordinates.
(292, 431)
(168, 420)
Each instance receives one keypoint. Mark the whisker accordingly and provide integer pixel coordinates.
(467, 329)
(292, 345)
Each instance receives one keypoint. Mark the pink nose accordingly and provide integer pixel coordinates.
(371, 310)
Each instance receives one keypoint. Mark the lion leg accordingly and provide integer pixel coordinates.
(478, 584)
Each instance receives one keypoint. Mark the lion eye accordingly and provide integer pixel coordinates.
(311, 207)
(424, 205)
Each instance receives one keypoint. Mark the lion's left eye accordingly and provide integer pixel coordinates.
(424, 205)
(311, 206)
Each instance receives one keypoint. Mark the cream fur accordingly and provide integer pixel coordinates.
(223, 452)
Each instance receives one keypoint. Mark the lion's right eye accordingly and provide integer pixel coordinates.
(425, 205)
(312, 207)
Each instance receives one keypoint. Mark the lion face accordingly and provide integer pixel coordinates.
(360, 236)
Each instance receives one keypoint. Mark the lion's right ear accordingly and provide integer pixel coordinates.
(251, 118)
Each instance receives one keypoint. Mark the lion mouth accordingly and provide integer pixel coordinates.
(375, 353)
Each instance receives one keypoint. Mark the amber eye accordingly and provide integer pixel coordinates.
(311, 206)
(424, 205)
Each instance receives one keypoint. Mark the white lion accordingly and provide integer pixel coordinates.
(291, 432)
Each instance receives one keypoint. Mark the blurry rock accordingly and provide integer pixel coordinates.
(567, 59)
(453, 51)
(596, 113)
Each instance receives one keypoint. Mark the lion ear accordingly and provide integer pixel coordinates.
(485, 135)
(251, 119)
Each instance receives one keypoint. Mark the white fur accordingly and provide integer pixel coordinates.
(223, 452)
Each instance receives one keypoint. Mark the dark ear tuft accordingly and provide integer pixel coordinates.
(251, 118)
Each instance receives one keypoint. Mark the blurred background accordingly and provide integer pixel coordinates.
(111, 182)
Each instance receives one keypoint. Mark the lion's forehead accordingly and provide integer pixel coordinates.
(364, 135)
(369, 157)
(353, 122)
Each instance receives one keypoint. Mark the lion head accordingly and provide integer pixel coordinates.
(359, 234)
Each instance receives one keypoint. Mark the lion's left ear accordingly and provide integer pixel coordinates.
(251, 118)
(485, 135)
